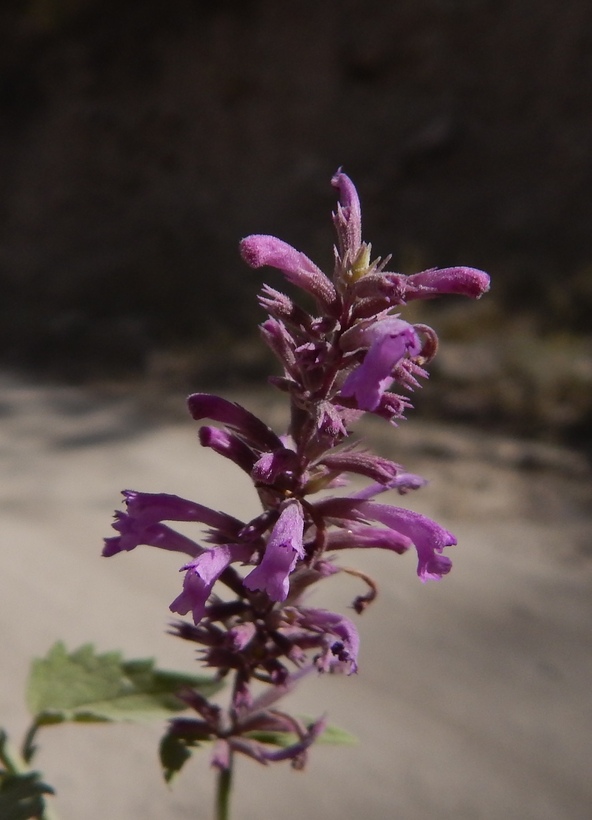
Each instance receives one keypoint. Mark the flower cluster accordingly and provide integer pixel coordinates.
(352, 354)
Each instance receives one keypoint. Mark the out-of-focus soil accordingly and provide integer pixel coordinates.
(473, 695)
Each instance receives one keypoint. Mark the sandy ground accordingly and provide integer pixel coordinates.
(474, 696)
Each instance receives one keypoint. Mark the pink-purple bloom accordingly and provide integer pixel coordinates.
(298, 269)
(390, 340)
(283, 549)
(340, 639)
(354, 353)
(202, 573)
(428, 537)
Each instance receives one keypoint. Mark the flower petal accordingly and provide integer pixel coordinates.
(201, 575)
(403, 482)
(348, 219)
(341, 641)
(392, 340)
(228, 445)
(356, 536)
(283, 549)
(437, 281)
(428, 537)
(133, 534)
(250, 428)
(148, 508)
(363, 463)
(258, 250)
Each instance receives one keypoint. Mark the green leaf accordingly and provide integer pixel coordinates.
(21, 796)
(86, 687)
(21, 790)
(336, 736)
(174, 753)
(332, 735)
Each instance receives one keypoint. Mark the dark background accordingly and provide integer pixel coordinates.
(140, 140)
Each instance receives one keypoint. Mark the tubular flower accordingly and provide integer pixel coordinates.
(428, 537)
(391, 340)
(202, 573)
(283, 549)
(296, 267)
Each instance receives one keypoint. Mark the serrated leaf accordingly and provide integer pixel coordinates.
(332, 735)
(86, 687)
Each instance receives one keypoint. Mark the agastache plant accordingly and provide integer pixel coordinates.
(352, 354)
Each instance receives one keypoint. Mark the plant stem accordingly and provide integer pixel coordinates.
(223, 792)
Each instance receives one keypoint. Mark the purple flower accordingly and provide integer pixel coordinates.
(390, 340)
(402, 483)
(247, 426)
(280, 468)
(141, 524)
(363, 463)
(276, 336)
(132, 533)
(428, 537)
(201, 575)
(437, 281)
(348, 219)
(228, 445)
(379, 291)
(340, 639)
(283, 549)
(147, 508)
(259, 250)
(264, 753)
(357, 536)
(239, 636)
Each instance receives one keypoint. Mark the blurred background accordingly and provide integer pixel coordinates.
(141, 139)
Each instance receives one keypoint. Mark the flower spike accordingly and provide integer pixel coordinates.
(346, 360)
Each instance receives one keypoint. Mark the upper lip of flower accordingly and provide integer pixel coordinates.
(260, 249)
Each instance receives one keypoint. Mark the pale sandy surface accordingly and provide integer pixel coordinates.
(474, 697)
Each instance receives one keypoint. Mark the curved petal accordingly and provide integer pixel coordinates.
(348, 219)
(369, 380)
(132, 534)
(283, 549)
(148, 508)
(250, 428)
(341, 641)
(259, 249)
(357, 536)
(428, 537)
(201, 575)
(437, 281)
(228, 445)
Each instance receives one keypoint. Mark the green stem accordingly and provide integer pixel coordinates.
(223, 792)
(28, 747)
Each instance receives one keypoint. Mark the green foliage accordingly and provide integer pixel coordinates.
(176, 744)
(21, 796)
(174, 753)
(332, 735)
(83, 686)
(21, 790)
